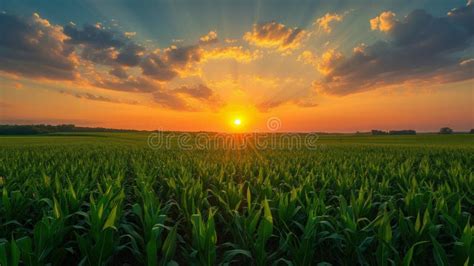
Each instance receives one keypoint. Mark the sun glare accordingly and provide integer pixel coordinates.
(237, 122)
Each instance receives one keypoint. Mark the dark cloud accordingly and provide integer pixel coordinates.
(304, 102)
(188, 98)
(119, 72)
(182, 57)
(171, 101)
(104, 56)
(130, 55)
(35, 48)
(93, 35)
(105, 46)
(199, 91)
(132, 84)
(93, 97)
(166, 65)
(420, 48)
(154, 66)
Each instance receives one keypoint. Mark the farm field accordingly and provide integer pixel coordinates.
(111, 199)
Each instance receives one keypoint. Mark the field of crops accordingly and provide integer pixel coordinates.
(109, 199)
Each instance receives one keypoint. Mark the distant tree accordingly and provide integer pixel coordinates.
(472, 131)
(445, 130)
(379, 132)
(45, 129)
(402, 132)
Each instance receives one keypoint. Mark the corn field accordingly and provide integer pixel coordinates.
(113, 201)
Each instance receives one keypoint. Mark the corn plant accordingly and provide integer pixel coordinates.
(100, 240)
(204, 238)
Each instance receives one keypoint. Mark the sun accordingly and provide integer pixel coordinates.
(237, 122)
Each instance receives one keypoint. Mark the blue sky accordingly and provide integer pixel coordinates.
(163, 21)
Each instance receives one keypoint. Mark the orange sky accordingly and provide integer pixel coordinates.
(384, 109)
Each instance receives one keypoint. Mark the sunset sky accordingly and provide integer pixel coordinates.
(337, 66)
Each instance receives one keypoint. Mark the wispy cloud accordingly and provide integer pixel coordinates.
(99, 98)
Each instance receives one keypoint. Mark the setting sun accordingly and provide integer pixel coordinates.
(237, 122)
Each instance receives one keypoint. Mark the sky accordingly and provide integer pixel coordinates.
(194, 65)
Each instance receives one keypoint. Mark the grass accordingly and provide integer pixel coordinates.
(108, 199)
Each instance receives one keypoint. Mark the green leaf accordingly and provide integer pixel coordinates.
(3, 253)
(439, 254)
(230, 254)
(169, 245)
(151, 253)
(56, 208)
(408, 257)
(266, 224)
(111, 219)
(15, 253)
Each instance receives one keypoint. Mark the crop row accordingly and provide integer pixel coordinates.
(343, 205)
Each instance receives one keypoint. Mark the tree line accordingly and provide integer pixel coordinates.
(46, 129)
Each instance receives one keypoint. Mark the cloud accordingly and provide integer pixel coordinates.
(129, 34)
(325, 63)
(230, 41)
(236, 53)
(307, 57)
(384, 22)
(93, 35)
(171, 101)
(268, 92)
(420, 48)
(166, 65)
(275, 35)
(131, 84)
(328, 61)
(307, 102)
(467, 62)
(327, 20)
(104, 46)
(184, 98)
(182, 57)
(209, 38)
(153, 65)
(119, 72)
(93, 97)
(200, 91)
(106, 56)
(130, 55)
(188, 98)
(34, 48)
